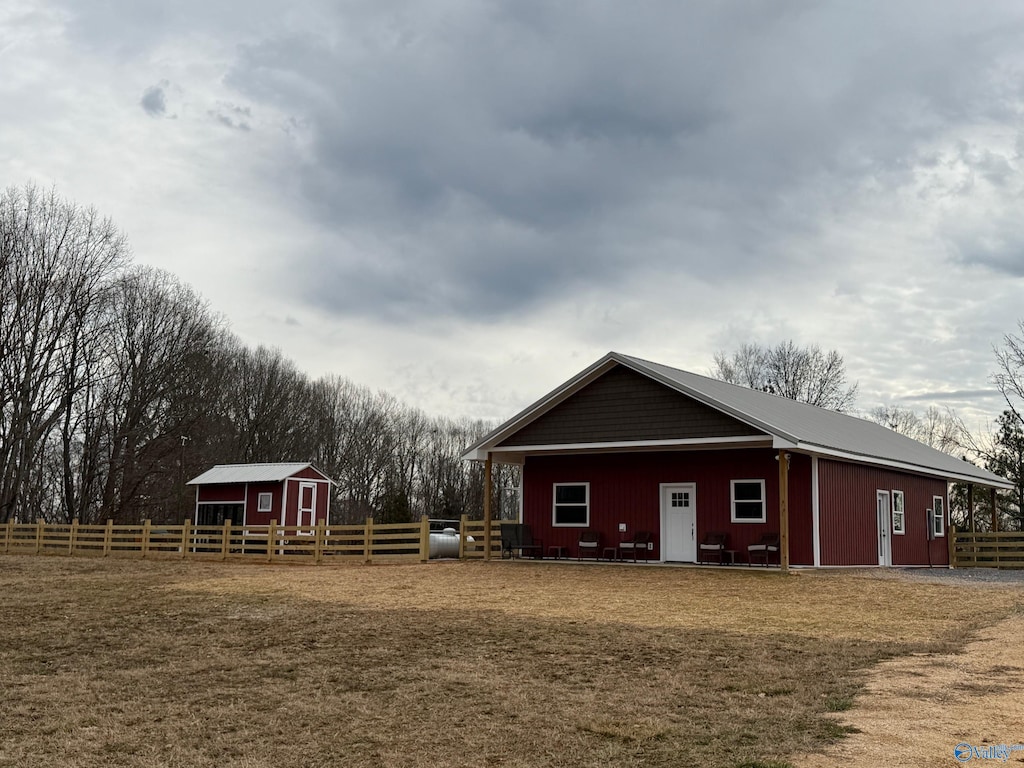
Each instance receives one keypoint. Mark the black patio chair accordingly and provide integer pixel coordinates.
(712, 547)
(639, 543)
(518, 538)
(768, 545)
(589, 542)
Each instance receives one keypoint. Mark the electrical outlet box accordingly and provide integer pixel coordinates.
(622, 527)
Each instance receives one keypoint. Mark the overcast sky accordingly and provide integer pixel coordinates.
(466, 203)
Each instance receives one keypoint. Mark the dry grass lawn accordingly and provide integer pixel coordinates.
(130, 663)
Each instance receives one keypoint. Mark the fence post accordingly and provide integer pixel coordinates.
(186, 537)
(226, 538)
(318, 548)
(271, 540)
(488, 514)
(424, 539)
(368, 541)
(108, 536)
(73, 537)
(146, 525)
(463, 527)
(8, 528)
(39, 535)
(951, 543)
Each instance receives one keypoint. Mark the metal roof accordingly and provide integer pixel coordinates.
(251, 473)
(791, 424)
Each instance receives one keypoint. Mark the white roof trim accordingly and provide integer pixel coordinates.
(625, 445)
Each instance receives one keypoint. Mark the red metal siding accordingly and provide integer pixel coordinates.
(848, 516)
(221, 494)
(625, 488)
(310, 473)
(252, 514)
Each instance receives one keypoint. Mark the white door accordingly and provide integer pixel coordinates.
(679, 522)
(307, 504)
(884, 528)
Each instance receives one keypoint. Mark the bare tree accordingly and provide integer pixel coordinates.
(162, 337)
(268, 403)
(942, 430)
(56, 261)
(806, 374)
(1009, 378)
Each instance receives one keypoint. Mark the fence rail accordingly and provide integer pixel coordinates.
(986, 550)
(371, 542)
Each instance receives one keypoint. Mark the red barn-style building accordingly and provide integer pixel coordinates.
(630, 446)
(256, 494)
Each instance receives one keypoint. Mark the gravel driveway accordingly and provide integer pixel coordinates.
(964, 575)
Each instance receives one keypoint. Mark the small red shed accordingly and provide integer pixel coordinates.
(255, 494)
(630, 446)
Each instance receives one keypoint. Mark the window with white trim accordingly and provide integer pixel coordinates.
(748, 501)
(571, 505)
(264, 502)
(938, 516)
(899, 518)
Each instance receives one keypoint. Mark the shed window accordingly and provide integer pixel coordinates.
(899, 524)
(748, 501)
(572, 505)
(264, 502)
(938, 516)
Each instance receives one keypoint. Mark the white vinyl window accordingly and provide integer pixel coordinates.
(748, 502)
(938, 516)
(571, 505)
(264, 502)
(899, 518)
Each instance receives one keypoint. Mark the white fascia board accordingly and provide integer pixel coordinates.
(832, 453)
(619, 446)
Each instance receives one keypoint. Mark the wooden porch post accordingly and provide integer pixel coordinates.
(783, 511)
(970, 507)
(488, 469)
(995, 512)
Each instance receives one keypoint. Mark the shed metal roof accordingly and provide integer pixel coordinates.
(251, 473)
(789, 423)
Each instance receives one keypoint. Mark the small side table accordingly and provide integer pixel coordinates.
(558, 552)
(609, 553)
(729, 556)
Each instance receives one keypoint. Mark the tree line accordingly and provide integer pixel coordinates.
(118, 384)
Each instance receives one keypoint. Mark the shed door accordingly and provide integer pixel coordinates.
(884, 528)
(679, 522)
(307, 504)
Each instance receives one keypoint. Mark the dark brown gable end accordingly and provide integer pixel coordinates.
(623, 405)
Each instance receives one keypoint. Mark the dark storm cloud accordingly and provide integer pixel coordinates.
(154, 101)
(999, 248)
(232, 116)
(490, 158)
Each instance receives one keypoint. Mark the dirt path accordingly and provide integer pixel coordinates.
(916, 710)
